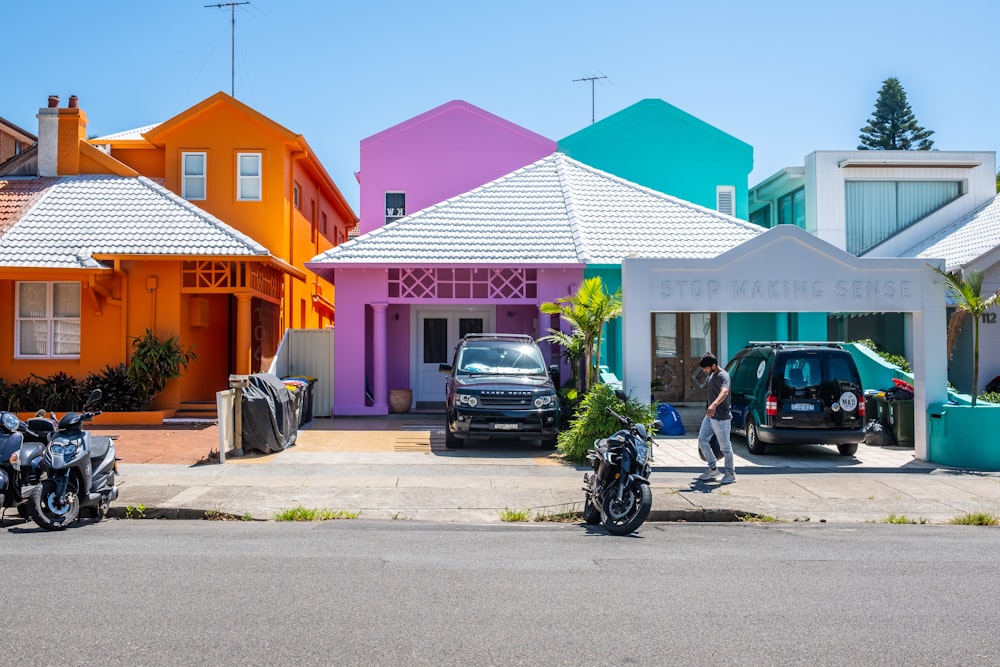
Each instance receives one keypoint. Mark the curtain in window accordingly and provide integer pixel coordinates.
(194, 176)
(877, 210)
(250, 177)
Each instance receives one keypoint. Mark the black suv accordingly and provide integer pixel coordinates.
(498, 387)
(796, 394)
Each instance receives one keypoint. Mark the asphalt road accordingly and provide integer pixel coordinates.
(400, 592)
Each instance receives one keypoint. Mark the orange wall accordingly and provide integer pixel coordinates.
(146, 161)
(164, 310)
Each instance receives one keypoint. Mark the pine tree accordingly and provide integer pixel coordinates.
(892, 126)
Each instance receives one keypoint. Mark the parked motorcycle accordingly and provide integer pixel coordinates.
(20, 452)
(617, 492)
(77, 472)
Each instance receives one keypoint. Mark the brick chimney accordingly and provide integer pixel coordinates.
(59, 135)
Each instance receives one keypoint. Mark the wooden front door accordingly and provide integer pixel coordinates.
(679, 341)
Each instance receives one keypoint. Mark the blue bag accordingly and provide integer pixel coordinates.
(671, 419)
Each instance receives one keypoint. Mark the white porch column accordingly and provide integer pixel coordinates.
(930, 359)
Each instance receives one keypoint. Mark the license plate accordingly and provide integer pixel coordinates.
(801, 407)
(505, 427)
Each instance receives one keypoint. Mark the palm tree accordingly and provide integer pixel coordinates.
(572, 345)
(587, 311)
(969, 301)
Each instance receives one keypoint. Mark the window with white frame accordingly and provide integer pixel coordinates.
(395, 206)
(47, 320)
(249, 186)
(193, 178)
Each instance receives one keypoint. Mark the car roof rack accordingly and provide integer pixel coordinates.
(796, 343)
(487, 336)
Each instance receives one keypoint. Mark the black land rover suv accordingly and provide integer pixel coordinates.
(795, 394)
(498, 387)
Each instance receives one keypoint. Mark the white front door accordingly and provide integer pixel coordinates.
(438, 332)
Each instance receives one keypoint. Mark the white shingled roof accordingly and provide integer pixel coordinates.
(132, 135)
(555, 211)
(82, 216)
(965, 240)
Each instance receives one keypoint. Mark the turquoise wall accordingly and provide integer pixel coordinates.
(611, 344)
(661, 147)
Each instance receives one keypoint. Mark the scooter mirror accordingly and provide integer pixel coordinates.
(95, 396)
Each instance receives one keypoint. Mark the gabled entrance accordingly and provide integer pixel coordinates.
(788, 270)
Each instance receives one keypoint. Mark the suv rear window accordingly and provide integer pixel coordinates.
(812, 371)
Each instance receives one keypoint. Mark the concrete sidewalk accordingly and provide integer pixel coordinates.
(398, 468)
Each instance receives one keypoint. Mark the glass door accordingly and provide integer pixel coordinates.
(679, 341)
(438, 332)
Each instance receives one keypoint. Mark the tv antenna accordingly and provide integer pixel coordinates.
(591, 79)
(232, 56)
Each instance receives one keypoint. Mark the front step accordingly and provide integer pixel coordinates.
(195, 412)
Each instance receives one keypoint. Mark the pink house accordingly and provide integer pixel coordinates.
(423, 161)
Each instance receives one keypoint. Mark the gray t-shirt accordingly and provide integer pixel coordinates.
(716, 382)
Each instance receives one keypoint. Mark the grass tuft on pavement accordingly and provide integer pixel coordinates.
(301, 513)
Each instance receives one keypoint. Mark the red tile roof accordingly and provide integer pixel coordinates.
(17, 195)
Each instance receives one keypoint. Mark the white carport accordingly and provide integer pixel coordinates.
(787, 270)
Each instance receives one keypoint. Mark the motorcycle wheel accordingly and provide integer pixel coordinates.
(591, 515)
(622, 518)
(46, 511)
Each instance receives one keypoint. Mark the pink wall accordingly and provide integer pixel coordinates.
(356, 288)
(439, 154)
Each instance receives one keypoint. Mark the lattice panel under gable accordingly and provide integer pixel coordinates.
(464, 283)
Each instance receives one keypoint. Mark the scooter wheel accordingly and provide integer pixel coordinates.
(48, 512)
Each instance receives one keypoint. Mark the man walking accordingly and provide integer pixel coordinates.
(717, 421)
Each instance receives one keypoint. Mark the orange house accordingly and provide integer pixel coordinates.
(259, 177)
(199, 229)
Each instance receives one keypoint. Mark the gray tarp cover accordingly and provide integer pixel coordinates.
(270, 422)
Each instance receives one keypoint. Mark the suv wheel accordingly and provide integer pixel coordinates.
(848, 450)
(450, 441)
(753, 439)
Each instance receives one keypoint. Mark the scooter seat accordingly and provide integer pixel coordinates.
(99, 445)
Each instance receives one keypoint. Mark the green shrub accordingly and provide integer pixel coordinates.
(118, 394)
(59, 393)
(593, 422)
(888, 356)
(154, 363)
(22, 396)
(990, 397)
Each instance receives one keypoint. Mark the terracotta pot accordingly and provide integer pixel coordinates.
(400, 400)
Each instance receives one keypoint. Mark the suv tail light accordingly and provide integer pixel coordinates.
(771, 406)
(861, 408)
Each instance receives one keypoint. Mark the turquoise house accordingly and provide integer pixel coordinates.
(657, 145)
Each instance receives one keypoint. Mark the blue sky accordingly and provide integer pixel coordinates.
(787, 77)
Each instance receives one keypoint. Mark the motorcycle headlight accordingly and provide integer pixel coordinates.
(542, 401)
(466, 399)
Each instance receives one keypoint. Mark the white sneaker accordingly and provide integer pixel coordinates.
(710, 474)
(727, 479)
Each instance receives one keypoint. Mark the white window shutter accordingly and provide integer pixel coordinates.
(725, 199)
